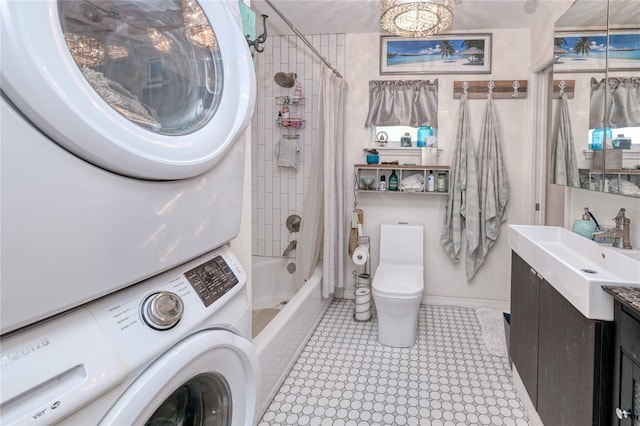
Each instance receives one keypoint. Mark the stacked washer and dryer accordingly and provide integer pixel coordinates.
(122, 173)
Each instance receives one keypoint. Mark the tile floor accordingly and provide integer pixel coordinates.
(344, 377)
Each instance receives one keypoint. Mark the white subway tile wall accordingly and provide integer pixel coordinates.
(278, 192)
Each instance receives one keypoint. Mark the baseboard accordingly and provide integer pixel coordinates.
(466, 302)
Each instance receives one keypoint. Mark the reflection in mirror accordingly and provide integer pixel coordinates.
(596, 135)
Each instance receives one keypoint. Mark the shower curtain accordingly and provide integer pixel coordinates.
(564, 162)
(323, 223)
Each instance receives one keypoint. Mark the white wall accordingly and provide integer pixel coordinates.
(604, 207)
(443, 279)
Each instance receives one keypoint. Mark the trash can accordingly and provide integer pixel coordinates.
(507, 325)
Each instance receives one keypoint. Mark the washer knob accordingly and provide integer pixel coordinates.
(162, 310)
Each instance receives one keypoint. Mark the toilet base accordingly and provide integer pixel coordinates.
(397, 320)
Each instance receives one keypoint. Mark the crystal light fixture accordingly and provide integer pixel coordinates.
(411, 18)
(86, 50)
(159, 40)
(197, 28)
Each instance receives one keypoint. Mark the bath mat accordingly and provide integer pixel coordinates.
(491, 323)
(260, 319)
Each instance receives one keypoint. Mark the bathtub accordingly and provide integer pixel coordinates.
(280, 342)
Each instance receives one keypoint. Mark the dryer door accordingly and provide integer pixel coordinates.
(209, 378)
(157, 89)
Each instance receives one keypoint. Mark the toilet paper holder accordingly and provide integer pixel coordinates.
(362, 285)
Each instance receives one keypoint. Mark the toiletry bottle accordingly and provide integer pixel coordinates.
(279, 119)
(382, 186)
(286, 122)
(442, 182)
(393, 181)
(585, 226)
(431, 185)
(297, 93)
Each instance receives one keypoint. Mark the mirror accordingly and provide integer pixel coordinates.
(596, 133)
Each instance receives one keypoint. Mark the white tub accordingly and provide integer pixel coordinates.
(281, 341)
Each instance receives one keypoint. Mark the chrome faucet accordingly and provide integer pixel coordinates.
(620, 235)
(292, 246)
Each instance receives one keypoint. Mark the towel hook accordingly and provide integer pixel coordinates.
(465, 87)
(261, 38)
(562, 86)
(516, 85)
(491, 85)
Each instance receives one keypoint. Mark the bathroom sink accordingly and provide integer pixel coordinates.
(575, 266)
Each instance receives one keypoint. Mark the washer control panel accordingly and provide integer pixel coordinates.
(211, 280)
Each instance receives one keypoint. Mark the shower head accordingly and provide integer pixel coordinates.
(285, 80)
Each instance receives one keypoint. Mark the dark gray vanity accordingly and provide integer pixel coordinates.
(626, 365)
(564, 359)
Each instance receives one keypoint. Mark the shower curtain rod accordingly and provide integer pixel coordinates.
(304, 39)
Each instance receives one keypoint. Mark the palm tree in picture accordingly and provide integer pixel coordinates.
(583, 46)
(477, 43)
(558, 50)
(447, 49)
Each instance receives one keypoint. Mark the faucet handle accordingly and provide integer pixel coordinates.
(621, 218)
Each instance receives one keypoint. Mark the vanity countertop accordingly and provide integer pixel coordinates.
(629, 296)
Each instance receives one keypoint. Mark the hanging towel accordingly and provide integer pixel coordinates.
(287, 151)
(463, 203)
(564, 163)
(493, 188)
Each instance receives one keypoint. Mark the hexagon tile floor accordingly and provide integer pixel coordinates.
(344, 377)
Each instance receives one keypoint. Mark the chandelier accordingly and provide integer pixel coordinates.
(89, 51)
(415, 18)
(197, 28)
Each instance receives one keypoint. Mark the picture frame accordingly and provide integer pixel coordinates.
(586, 51)
(441, 54)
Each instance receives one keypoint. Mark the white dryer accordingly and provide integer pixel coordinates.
(171, 350)
(122, 152)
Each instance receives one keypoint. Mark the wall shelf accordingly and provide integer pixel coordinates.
(375, 171)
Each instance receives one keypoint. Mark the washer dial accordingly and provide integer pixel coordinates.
(162, 310)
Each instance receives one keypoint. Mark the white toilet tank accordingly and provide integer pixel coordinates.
(401, 244)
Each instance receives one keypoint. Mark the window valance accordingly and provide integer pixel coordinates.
(622, 97)
(403, 103)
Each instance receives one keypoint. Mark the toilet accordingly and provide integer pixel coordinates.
(398, 283)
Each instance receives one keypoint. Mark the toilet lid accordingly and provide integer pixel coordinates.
(398, 280)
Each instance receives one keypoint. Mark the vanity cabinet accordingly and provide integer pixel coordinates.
(625, 409)
(563, 359)
(376, 171)
(523, 345)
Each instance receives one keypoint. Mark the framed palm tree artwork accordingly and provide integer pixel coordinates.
(441, 54)
(588, 51)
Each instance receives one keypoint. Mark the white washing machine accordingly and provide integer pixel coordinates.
(122, 149)
(171, 350)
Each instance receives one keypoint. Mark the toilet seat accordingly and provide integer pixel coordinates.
(398, 281)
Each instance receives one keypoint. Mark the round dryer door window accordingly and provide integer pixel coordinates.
(156, 89)
(209, 378)
(203, 400)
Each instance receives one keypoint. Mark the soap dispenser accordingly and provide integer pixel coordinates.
(585, 226)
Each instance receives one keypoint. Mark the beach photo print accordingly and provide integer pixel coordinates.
(442, 54)
(587, 51)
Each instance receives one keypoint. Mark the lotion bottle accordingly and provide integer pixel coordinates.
(585, 226)
(430, 182)
(382, 186)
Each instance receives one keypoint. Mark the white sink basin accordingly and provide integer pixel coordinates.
(577, 267)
